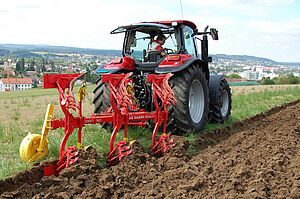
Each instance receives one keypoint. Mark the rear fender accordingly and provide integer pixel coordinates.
(176, 68)
(214, 85)
(117, 65)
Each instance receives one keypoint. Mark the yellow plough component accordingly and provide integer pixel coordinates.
(82, 92)
(35, 146)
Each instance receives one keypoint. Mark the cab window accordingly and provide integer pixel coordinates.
(189, 41)
(138, 43)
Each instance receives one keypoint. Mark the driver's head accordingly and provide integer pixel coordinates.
(161, 39)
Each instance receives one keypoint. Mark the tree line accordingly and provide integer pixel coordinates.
(38, 66)
(282, 79)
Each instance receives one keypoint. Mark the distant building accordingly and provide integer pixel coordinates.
(13, 84)
(296, 74)
(250, 75)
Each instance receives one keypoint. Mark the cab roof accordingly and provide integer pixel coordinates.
(150, 26)
(185, 22)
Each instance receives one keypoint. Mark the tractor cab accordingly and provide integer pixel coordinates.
(140, 36)
(179, 49)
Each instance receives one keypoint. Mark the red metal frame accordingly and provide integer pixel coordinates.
(170, 62)
(120, 114)
(125, 63)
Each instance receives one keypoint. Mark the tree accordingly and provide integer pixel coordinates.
(18, 68)
(38, 69)
(43, 68)
(53, 69)
(292, 79)
(22, 65)
(283, 79)
(31, 66)
(267, 81)
(234, 75)
(94, 66)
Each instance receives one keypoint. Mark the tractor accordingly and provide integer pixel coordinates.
(200, 95)
(175, 91)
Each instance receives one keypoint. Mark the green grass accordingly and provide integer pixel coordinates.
(35, 92)
(9, 152)
(243, 106)
(246, 105)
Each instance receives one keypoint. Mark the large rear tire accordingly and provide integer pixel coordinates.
(221, 111)
(101, 96)
(102, 99)
(192, 107)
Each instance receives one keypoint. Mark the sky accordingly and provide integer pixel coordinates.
(263, 28)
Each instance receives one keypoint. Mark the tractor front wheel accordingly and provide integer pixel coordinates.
(192, 107)
(221, 109)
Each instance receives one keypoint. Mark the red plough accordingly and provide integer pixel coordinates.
(124, 111)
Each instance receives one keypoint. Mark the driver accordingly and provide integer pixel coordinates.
(156, 45)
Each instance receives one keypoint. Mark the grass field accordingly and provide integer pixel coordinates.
(45, 53)
(23, 111)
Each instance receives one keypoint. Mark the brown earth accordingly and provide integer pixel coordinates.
(256, 158)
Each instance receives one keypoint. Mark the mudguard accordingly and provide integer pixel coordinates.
(116, 66)
(176, 68)
(214, 84)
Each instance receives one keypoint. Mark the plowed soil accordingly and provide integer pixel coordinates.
(256, 158)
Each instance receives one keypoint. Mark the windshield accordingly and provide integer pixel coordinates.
(139, 42)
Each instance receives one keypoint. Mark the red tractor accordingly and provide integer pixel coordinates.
(173, 89)
(199, 94)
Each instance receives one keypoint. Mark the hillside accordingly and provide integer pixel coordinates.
(241, 58)
(26, 50)
(23, 50)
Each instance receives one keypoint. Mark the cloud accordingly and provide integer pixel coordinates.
(253, 8)
(287, 27)
(245, 27)
(275, 2)
(28, 6)
(78, 23)
(220, 3)
(211, 2)
(295, 20)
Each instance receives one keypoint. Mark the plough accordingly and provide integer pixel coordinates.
(124, 111)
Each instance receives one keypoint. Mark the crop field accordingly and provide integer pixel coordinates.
(238, 158)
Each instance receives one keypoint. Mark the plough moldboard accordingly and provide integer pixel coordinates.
(123, 112)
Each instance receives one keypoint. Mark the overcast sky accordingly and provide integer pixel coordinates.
(264, 28)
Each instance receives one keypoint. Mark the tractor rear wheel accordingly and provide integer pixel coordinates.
(192, 95)
(102, 99)
(220, 111)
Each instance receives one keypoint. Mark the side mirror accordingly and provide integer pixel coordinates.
(214, 34)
